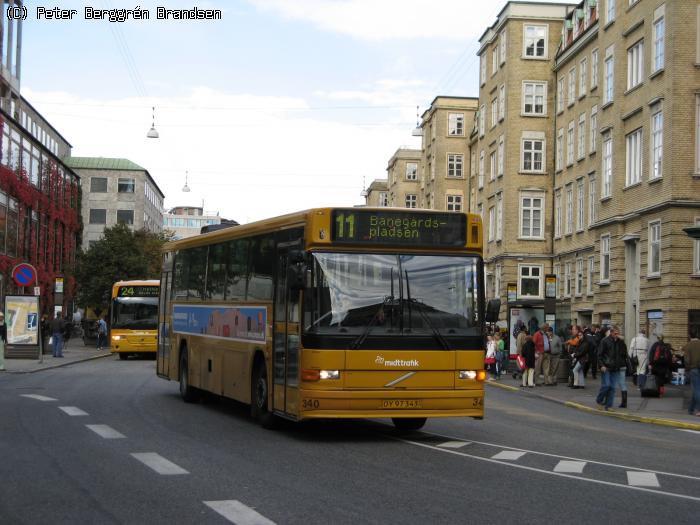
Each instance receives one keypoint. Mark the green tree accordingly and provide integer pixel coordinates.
(121, 254)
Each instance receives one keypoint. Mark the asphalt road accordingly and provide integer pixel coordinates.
(107, 441)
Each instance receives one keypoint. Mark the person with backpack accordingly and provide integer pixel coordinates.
(101, 332)
(612, 356)
(660, 363)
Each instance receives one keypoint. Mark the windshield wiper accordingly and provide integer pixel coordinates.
(388, 299)
(420, 306)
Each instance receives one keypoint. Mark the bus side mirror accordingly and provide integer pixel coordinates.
(493, 308)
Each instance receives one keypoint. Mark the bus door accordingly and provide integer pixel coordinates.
(286, 337)
(163, 356)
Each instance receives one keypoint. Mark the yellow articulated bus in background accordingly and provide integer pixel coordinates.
(133, 317)
(330, 313)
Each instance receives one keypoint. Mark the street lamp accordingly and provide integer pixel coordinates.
(186, 188)
(152, 133)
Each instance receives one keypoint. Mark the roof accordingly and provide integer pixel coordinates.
(101, 163)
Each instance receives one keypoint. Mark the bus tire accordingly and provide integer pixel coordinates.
(123, 356)
(259, 395)
(408, 423)
(189, 393)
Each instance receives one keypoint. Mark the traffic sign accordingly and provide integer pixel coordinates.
(24, 274)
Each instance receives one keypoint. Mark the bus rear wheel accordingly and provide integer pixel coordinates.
(259, 396)
(123, 356)
(409, 423)
(189, 393)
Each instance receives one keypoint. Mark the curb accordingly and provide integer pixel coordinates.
(60, 365)
(618, 415)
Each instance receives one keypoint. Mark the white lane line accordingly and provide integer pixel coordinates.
(238, 513)
(106, 431)
(73, 411)
(574, 467)
(159, 463)
(510, 455)
(546, 472)
(454, 444)
(38, 397)
(688, 430)
(642, 479)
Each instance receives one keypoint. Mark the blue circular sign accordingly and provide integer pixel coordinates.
(24, 274)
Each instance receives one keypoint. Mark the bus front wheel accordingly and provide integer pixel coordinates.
(259, 408)
(189, 393)
(409, 423)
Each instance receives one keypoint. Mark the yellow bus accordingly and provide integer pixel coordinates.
(330, 313)
(134, 317)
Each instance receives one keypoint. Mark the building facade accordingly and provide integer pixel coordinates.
(403, 178)
(377, 194)
(186, 221)
(116, 190)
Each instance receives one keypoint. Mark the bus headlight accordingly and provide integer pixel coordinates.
(467, 374)
(330, 374)
(116, 337)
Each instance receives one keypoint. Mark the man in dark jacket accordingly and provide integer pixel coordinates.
(612, 356)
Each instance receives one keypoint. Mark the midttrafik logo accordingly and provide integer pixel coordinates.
(396, 362)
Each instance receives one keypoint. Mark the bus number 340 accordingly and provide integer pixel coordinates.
(310, 404)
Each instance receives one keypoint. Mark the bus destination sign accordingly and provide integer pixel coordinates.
(397, 227)
(138, 291)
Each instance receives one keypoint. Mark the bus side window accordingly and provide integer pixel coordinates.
(262, 264)
(237, 270)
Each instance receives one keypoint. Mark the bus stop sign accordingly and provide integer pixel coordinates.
(24, 274)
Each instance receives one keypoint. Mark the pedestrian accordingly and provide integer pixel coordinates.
(501, 358)
(57, 329)
(490, 359)
(519, 342)
(594, 336)
(67, 329)
(660, 363)
(101, 332)
(622, 379)
(542, 347)
(45, 332)
(556, 345)
(612, 356)
(639, 351)
(528, 353)
(692, 363)
(3, 341)
(579, 349)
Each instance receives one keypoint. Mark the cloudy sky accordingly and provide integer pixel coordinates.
(280, 106)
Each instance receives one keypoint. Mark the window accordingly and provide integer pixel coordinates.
(501, 155)
(125, 216)
(583, 76)
(503, 46)
(572, 86)
(594, 128)
(657, 145)
(411, 171)
(494, 60)
(529, 281)
(594, 68)
(592, 201)
(482, 120)
(581, 135)
(502, 102)
(697, 124)
(98, 216)
(454, 203)
(609, 75)
(535, 41)
(654, 268)
(126, 185)
(557, 213)
(567, 279)
(607, 166)
(633, 165)
(579, 276)
(560, 95)
(559, 160)
(492, 165)
(570, 144)
(494, 112)
(605, 258)
(635, 64)
(481, 168)
(569, 209)
(534, 96)
(454, 165)
(499, 216)
(455, 124)
(411, 200)
(580, 204)
(532, 155)
(498, 277)
(659, 31)
(383, 199)
(483, 70)
(98, 184)
(557, 274)
(492, 223)
(609, 11)
(696, 252)
(531, 213)
(591, 274)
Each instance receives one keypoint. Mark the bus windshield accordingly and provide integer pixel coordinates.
(135, 313)
(391, 300)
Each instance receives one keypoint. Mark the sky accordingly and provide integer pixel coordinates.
(280, 106)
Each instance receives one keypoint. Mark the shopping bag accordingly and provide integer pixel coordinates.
(650, 388)
(51, 340)
(490, 361)
(521, 362)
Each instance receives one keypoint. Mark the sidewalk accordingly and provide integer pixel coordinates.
(73, 352)
(670, 410)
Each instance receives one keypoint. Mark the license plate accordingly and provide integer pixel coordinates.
(393, 404)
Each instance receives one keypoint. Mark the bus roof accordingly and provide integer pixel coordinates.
(138, 282)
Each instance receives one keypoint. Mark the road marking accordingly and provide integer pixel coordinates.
(510, 455)
(73, 411)
(159, 463)
(38, 397)
(691, 431)
(574, 467)
(106, 431)
(454, 444)
(642, 479)
(236, 512)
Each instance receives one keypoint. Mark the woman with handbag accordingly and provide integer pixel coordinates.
(490, 360)
(528, 354)
(578, 346)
